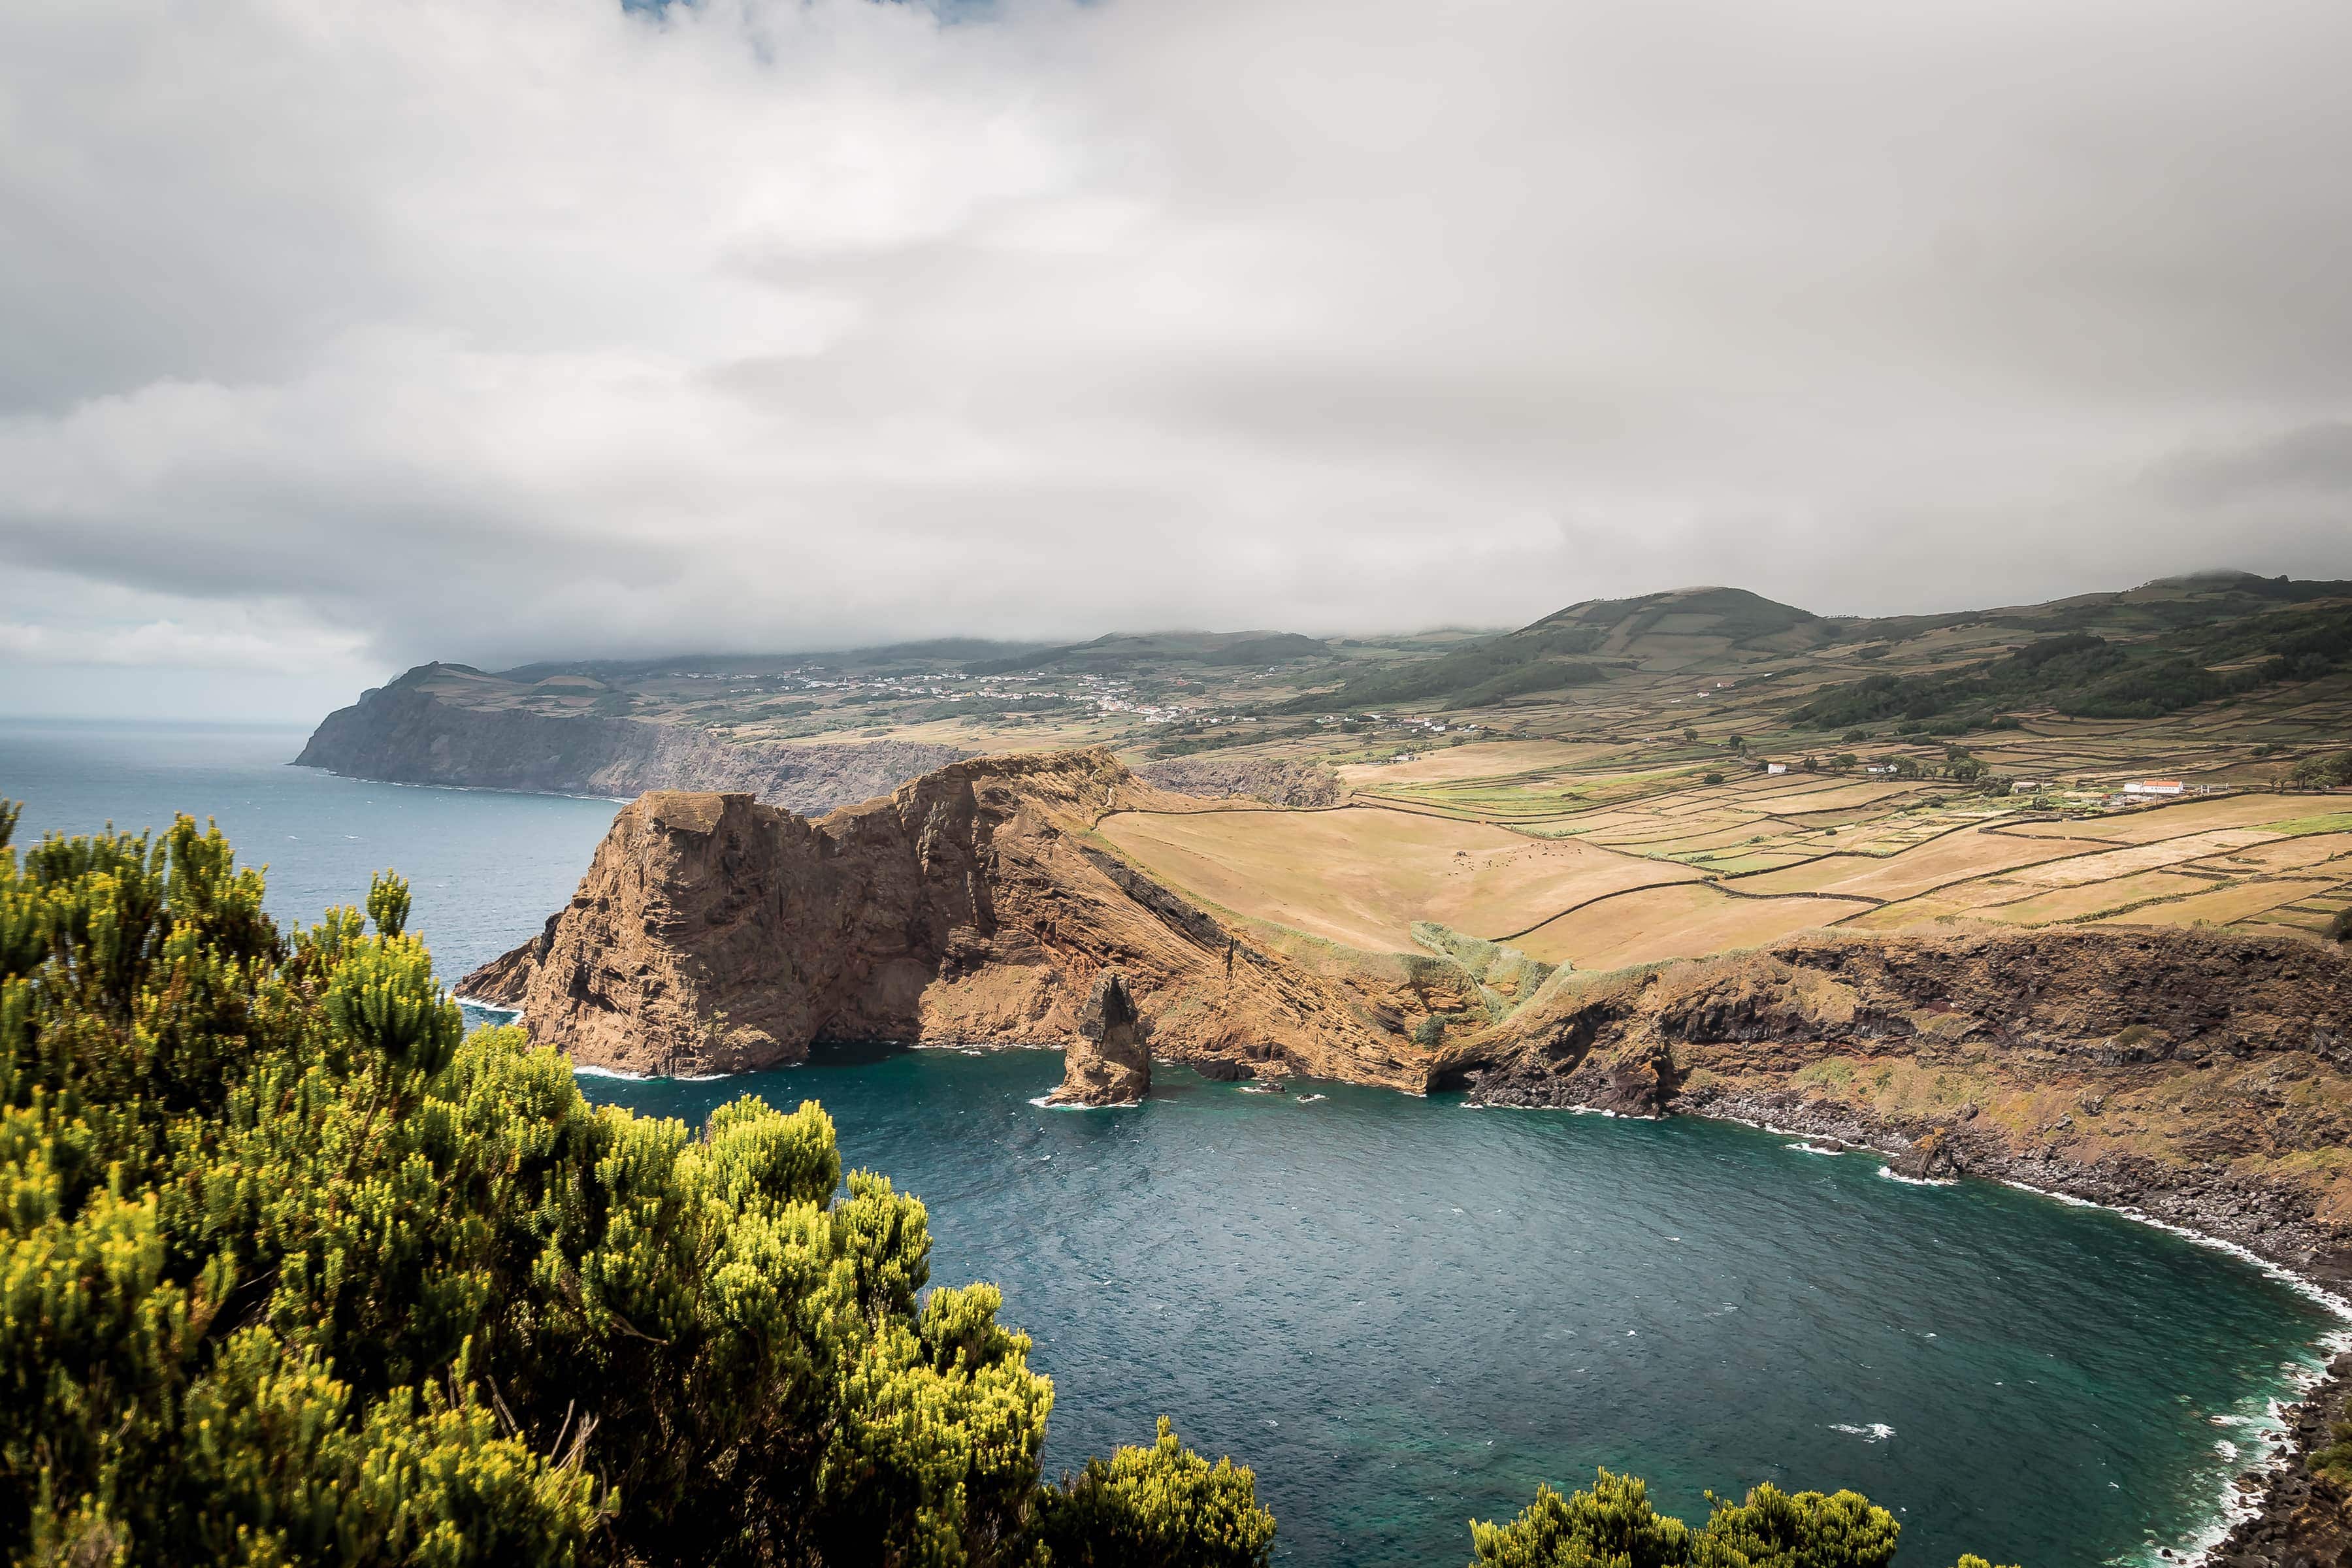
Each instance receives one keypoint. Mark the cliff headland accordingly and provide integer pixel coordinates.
(411, 733)
(716, 934)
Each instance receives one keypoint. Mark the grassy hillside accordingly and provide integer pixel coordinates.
(1582, 645)
(2085, 675)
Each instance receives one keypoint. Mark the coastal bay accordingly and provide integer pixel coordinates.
(2054, 1385)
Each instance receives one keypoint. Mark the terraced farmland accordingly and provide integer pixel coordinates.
(1712, 770)
(1600, 857)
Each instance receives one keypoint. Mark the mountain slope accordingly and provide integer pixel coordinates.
(1119, 652)
(1582, 645)
(2084, 675)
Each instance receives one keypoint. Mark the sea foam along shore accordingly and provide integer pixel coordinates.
(2245, 1503)
(2258, 1487)
(2265, 1488)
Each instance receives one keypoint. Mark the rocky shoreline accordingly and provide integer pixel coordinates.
(2289, 1515)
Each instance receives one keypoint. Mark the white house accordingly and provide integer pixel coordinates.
(2153, 786)
(1776, 767)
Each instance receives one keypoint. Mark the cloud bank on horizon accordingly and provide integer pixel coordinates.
(343, 335)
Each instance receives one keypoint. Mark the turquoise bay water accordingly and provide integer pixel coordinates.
(1405, 1313)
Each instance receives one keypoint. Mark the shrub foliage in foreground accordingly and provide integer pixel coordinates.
(292, 1270)
(1615, 1526)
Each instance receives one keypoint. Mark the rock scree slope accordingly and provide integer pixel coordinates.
(712, 934)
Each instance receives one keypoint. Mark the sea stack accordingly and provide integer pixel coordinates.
(1109, 1064)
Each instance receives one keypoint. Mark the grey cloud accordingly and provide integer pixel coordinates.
(2313, 462)
(498, 332)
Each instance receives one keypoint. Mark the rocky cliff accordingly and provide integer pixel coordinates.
(406, 734)
(2203, 1078)
(1305, 783)
(715, 934)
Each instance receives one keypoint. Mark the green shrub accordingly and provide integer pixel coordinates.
(1614, 1525)
(291, 1269)
(1161, 1507)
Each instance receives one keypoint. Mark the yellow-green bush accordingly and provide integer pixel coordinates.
(291, 1269)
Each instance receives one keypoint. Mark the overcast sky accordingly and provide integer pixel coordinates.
(336, 335)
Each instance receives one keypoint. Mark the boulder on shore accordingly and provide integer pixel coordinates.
(1933, 1156)
(1108, 1063)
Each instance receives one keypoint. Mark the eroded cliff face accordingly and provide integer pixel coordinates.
(408, 736)
(715, 934)
(1306, 784)
(2205, 1078)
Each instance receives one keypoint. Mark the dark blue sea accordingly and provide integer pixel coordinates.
(1401, 1312)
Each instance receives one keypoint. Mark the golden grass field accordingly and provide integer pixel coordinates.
(1580, 854)
(1361, 876)
(1684, 921)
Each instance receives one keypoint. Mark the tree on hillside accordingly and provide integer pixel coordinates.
(292, 1270)
(2323, 773)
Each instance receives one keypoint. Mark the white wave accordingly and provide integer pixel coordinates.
(579, 1071)
(511, 1014)
(1876, 1432)
(1888, 1171)
(1046, 1102)
(1813, 1149)
(1312, 1099)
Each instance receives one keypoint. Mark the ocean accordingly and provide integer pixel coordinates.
(1402, 1312)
